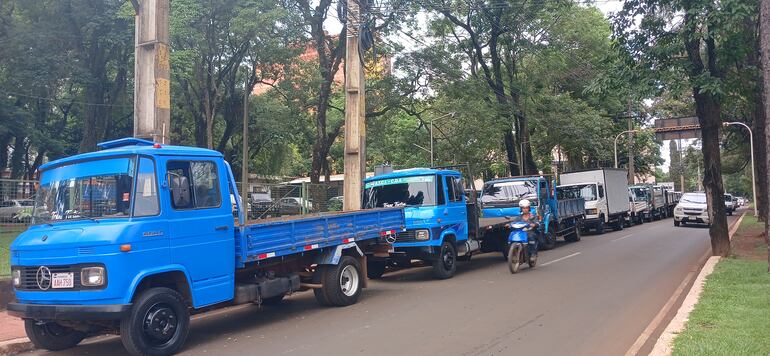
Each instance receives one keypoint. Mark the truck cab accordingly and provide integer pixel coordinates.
(642, 202)
(440, 220)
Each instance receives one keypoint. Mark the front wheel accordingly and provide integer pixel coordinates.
(446, 265)
(549, 239)
(52, 336)
(158, 323)
(514, 258)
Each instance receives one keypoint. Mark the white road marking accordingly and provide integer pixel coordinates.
(621, 238)
(560, 259)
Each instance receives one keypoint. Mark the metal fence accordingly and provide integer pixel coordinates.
(16, 201)
(262, 201)
(274, 200)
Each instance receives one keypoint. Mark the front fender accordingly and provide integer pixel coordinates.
(153, 271)
(547, 221)
(446, 233)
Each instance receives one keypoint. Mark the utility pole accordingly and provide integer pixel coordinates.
(355, 110)
(631, 170)
(681, 167)
(764, 45)
(245, 157)
(152, 88)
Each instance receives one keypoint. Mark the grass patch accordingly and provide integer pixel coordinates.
(7, 235)
(733, 314)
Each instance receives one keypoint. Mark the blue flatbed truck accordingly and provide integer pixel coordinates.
(558, 216)
(136, 237)
(443, 224)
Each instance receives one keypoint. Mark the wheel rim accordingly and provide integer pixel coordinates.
(447, 259)
(349, 281)
(160, 324)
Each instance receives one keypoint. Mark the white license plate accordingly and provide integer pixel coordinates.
(62, 280)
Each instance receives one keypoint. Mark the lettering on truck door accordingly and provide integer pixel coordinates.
(201, 224)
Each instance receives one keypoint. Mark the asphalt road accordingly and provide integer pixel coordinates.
(593, 297)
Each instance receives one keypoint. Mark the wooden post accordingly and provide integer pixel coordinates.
(631, 169)
(152, 93)
(355, 127)
(245, 156)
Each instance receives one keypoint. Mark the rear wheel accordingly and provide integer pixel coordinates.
(158, 323)
(446, 264)
(676, 223)
(575, 235)
(341, 284)
(52, 336)
(618, 224)
(600, 226)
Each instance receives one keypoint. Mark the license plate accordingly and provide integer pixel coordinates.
(62, 280)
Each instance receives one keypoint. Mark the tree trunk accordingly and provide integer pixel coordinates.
(764, 25)
(95, 118)
(511, 152)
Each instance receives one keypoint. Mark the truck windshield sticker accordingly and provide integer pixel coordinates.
(400, 180)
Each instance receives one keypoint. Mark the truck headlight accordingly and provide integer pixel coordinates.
(592, 211)
(422, 235)
(92, 276)
(16, 275)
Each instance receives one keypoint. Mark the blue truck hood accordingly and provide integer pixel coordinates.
(420, 216)
(66, 238)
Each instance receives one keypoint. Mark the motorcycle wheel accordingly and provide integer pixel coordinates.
(514, 261)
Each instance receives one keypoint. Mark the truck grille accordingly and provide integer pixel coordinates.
(29, 278)
(406, 236)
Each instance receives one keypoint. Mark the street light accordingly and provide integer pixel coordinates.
(753, 178)
(452, 114)
(616, 144)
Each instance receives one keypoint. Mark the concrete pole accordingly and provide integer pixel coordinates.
(355, 127)
(631, 169)
(681, 167)
(245, 156)
(152, 70)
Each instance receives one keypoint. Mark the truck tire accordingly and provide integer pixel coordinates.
(676, 223)
(445, 266)
(375, 269)
(169, 323)
(600, 226)
(618, 224)
(341, 284)
(549, 239)
(52, 336)
(318, 277)
(575, 235)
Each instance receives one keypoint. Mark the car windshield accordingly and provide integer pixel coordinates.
(88, 190)
(585, 191)
(402, 191)
(509, 192)
(694, 198)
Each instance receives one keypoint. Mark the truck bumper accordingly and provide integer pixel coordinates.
(68, 312)
(425, 253)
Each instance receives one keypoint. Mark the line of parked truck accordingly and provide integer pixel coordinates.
(134, 238)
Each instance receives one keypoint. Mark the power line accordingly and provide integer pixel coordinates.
(60, 100)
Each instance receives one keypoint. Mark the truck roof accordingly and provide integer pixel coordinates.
(413, 172)
(132, 146)
(514, 179)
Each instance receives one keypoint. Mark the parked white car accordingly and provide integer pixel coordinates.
(10, 209)
(730, 204)
(692, 208)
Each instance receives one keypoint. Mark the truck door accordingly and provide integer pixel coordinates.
(456, 213)
(201, 224)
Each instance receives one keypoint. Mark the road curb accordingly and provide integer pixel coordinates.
(15, 346)
(664, 345)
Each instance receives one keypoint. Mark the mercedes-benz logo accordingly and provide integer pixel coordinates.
(43, 278)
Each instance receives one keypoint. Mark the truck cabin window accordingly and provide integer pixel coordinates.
(87, 190)
(193, 185)
(402, 191)
(586, 191)
(640, 193)
(509, 193)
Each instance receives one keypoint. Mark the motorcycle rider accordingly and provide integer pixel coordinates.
(531, 219)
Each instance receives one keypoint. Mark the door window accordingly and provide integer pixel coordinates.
(194, 184)
(146, 196)
(454, 189)
(441, 198)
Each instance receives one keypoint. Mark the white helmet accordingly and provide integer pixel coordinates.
(524, 203)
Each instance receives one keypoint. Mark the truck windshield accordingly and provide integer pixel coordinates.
(402, 191)
(694, 198)
(640, 193)
(88, 190)
(585, 191)
(728, 198)
(509, 192)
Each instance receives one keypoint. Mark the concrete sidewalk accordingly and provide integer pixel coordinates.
(13, 339)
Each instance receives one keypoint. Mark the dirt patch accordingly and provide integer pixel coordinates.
(749, 242)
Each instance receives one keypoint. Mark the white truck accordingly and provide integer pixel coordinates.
(605, 191)
(639, 209)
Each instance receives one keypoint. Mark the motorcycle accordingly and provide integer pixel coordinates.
(518, 247)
